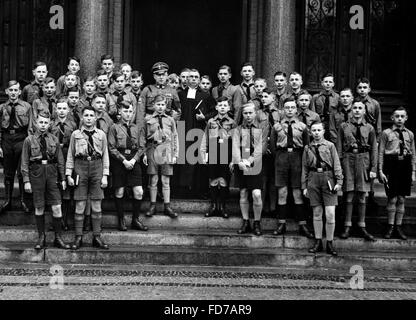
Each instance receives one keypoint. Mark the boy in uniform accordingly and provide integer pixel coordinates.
(136, 83)
(305, 114)
(120, 94)
(107, 64)
(71, 81)
(294, 90)
(249, 146)
(103, 122)
(247, 86)
(162, 153)
(357, 148)
(46, 103)
(216, 152)
(42, 167)
(126, 142)
(288, 139)
(280, 81)
(321, 180)
(73, 68)
(343, 113)
(88, 158)
(75, 111)
(15, 117)
(103, 82)
(33, 90)
(397, 169)
(90, 88)
(126, 69)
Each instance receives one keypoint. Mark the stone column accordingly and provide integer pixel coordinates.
(91, 34)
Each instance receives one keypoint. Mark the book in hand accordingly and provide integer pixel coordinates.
(331, 188)
(76, 179)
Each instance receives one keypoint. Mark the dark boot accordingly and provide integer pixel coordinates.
(223, 200)
(59, 243)
(77, 243)
(400, 233)
(366, 235)
(152, 210)
(257, 228)
(97, 242)
(389, 232)
(120, 214)
(280, 230)
(169, 212)
(346, 233)
(87, 223)
(245, 228)
(303, 231)
(136, 224)
(330, 249)
(317, 247)
(214, 199)
(8, 192)
(22, 197)
(40, 224)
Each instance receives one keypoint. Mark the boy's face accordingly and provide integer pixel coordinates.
(127, 114)
(346, 98)
(40, 73)
(70, 81)
(184, 78)
(224, 76)
(136, 83)
(126, 70)
(174, 84)
(160, 106)
(304, 101)
(73, 98)
(108, 66)
(328, 83)
(193, 79)
(295, 81)
(317, 132)
(103, 82)
(205, 84)
(89, 87)
(99, 104)
(13, 92)
(358, 110)
(161, 78)
(43, 124)
(223, 108)
(89, 118)
(259, 87)
(120, 83)
(399, 118)
(249, 114)
(363, 89)
(73, 67)
(267, 99)
(248, 73)
(290, 109)
(49, 89)
(62, 109)
(280, 82)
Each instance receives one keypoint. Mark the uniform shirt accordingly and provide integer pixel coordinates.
(217, 128)
(23, 115)
(62, 90)
(318, 104)
(335, 121)
(31, 92)
(373, 113)
(390, 145)
(247, 95)
(114, 96)
(32, 151)
(104, 122)
(279, 134)
(329, 156)
(78, 147)
(42, 104)
(233, 94)
(347, 141)
(308, 117)
(117, 139)
(168, 134)
(255, 139)
(75, 113)
(64, 136)
(269, 114)
(279, 97)
(288, 94)
(85, 101)
(148, 96)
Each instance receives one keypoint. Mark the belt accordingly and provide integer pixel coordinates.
(290, 150)
(320, 170)
(43, 162)
(15, 131)
(127, 151)
(358, 151)
(89, 158)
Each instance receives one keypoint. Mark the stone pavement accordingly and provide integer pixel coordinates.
(131, 282)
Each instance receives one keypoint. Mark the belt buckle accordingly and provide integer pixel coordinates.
(12, 132)
(44, 162)
(290, 150)
(401, 158)
(320, 170)
(221, 141)
(355, 151)
(62, 145)
(128, 152)
(89, 158)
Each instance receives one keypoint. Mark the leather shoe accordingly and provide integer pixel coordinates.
(317, 247)
(122, 224)
(245, 228)
(330, 249)
(169, 212)
(212, 210)
(97, 242)
(152, 211)
(346, 233)
(303, 231)
(41, 244)
(60, 244)
(389, 232)
(77, 243)
(366, 235)
(281, 229)
(400, 233)
(257, 228)
(138, 225)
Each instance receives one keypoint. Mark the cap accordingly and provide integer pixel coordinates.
(160, 67)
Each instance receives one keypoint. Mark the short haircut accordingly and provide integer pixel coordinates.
(39, 64)
(185, 70)
(206, 78)
(136, 75)
(328, 75)
(74, 89)
(289, 99)
(357, 100)
(44, 114)
(99, 95)
(173, 77)
(125, 65)
(12, 83)
(159, 98)
(363, 80)
(75, 59)
(195, 70)
(117, 75)
(247, 64)
(248, 105)
(295, 73)
(49, 80)
(269, 91)
(62, 100)
(88, 108)
(222, 99)
(124, 105)
(89, 79)
(101, 73)
(261, 80)
(348, 89)
(401, 108)
(107, 57)
(280, 73)
(316, 122)
(225, 67)
(304, 93)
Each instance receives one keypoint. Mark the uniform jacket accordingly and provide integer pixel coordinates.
(117, 140)
(104, 122)
(31, 92)
(217, 128)
(114, 96)
(233, 94)
(318, 104)
(310, 117)
(149, 94)
(64, 137)
(373, 113)
(335, 121)
(23, 115)
(42, 104)
(243, 92)
(278, 138)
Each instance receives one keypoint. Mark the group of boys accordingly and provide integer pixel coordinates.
(65, 145)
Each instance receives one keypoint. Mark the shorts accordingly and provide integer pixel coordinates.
(356, 169)
(153, 168)
(318, 189)
(125, 178)
(44, 181)
(399, 175)
(247, 181)
(90, 176)
(288, 169)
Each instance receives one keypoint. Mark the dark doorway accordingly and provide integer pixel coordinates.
(202, 34)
